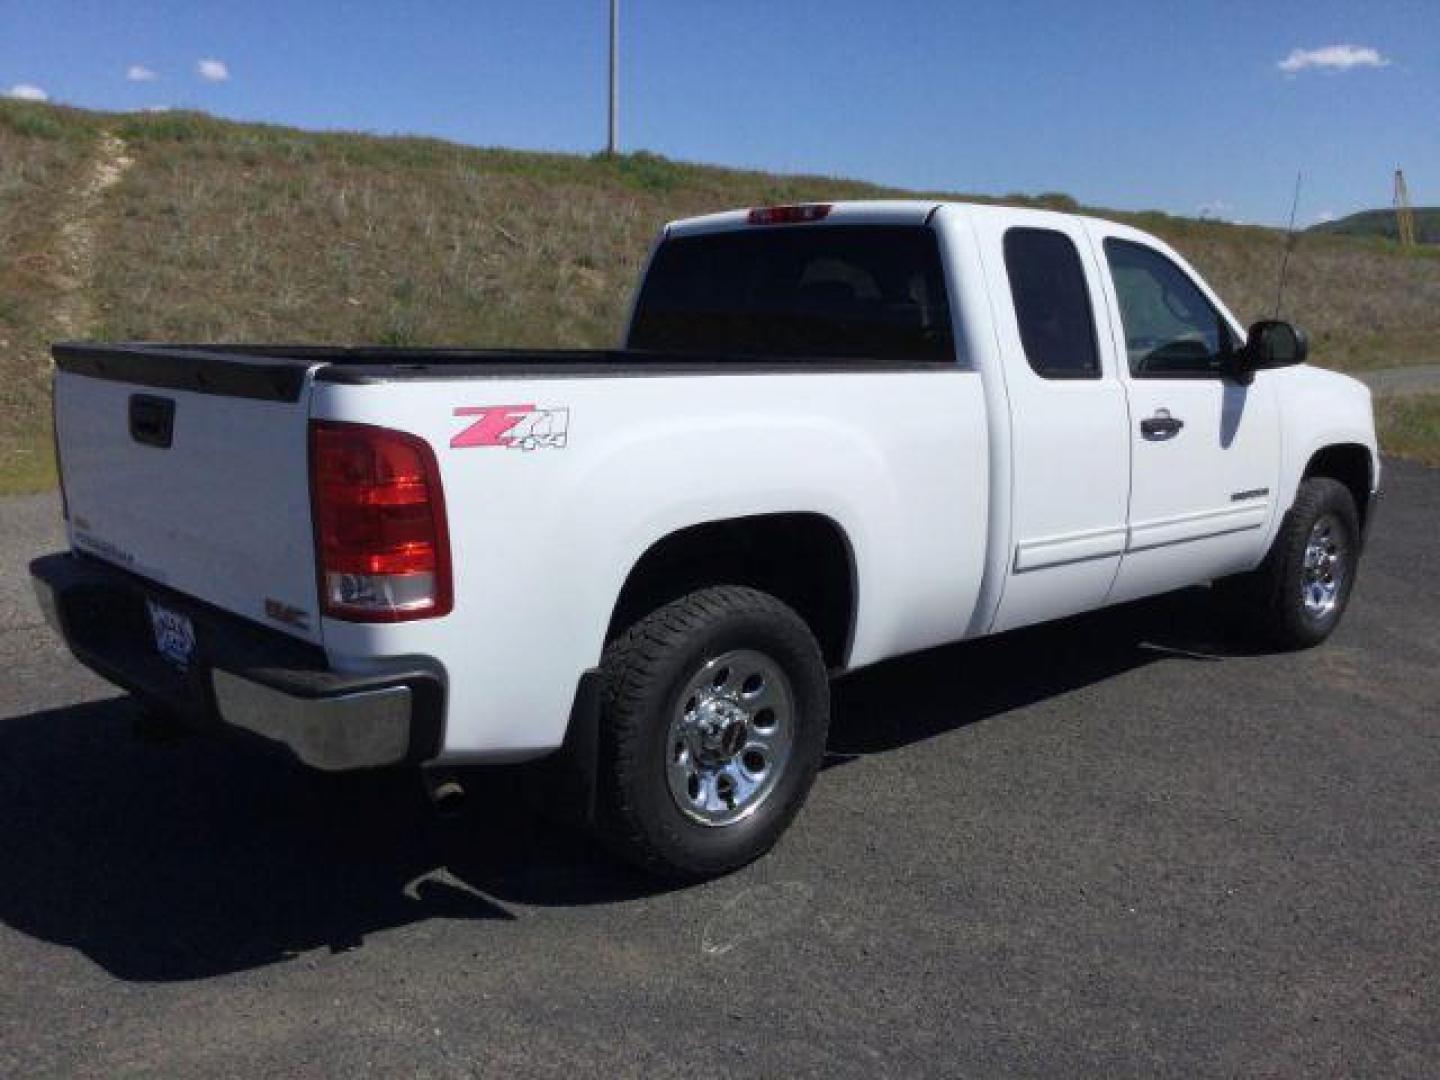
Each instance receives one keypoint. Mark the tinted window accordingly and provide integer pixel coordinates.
(1052, 304)
(839, 291)
(1171, 329)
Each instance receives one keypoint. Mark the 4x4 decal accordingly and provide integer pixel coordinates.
(519, 427)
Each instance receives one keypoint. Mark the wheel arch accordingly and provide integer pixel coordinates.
(803, 558)
(1350, 463)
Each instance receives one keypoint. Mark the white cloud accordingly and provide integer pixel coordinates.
(212, 70)
(1324, 216)
(156, 108)
(140, 73)
(1333, 58)
(1218, 209)
(27, 92)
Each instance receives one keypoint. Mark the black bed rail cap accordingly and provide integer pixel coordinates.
(181, 367)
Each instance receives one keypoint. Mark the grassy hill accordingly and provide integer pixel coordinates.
(180, 226)
(1381, 223)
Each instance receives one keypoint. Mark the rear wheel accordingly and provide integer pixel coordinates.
(1299, 593)
(716, 710)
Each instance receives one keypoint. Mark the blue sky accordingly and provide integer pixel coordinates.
(1128, 103)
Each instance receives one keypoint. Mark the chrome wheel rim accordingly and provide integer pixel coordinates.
(729, 739)
(1324, 571)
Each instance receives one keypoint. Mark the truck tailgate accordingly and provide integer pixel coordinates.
(195, 478)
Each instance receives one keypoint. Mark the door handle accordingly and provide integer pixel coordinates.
(1161, 426)
(152, 420)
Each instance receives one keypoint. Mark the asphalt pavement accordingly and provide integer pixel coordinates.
(1126, 843)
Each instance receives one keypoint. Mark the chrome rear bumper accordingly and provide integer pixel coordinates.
(242, 676)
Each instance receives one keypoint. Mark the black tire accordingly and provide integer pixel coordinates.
(1272, 597)
(645, 672)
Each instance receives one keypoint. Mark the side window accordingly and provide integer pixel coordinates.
(1052, 304)
(1171, 329)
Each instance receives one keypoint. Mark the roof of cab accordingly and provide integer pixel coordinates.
(868, 212)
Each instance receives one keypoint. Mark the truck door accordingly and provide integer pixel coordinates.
(1068, 419)
(1205, 450)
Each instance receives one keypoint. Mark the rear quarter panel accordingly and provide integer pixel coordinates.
(543, 539)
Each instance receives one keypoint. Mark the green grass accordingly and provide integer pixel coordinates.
(42, 152)
(1382, 223)
(30, 465)
(235, 231)
(1409, 426)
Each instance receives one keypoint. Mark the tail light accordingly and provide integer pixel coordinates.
(796, 214)
(382, 547)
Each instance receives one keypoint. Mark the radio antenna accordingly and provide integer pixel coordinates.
(1291, 238)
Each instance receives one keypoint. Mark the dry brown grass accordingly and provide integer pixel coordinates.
(229, 232)
(223, 231)
(1364, 303)
(42, 152)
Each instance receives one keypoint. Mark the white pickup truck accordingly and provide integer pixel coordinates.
(835, 434)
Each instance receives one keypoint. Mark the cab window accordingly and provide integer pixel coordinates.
(1052, 304)
(822, 292)
(1171, 329)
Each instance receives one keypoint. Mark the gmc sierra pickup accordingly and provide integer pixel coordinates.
(834, 434)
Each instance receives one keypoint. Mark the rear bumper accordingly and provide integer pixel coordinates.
(240, 676)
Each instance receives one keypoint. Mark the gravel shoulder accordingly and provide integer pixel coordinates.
(1420, 379)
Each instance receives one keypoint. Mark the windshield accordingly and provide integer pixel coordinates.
(836, 291)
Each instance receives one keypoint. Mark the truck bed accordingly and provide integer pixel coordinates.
(276, 372)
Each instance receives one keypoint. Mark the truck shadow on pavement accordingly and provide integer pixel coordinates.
(916, 697)
(207, 857)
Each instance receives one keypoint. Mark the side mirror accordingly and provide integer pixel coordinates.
(1271, 344)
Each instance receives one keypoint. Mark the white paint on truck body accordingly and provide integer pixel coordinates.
(973, 498)
(222, 514)
(542, 541)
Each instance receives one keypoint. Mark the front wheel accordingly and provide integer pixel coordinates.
(716, 711)
(1300, 591)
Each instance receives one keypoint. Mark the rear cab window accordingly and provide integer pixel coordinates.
(873, 292)
(1052, 304)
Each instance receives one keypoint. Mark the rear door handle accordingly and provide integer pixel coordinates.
(1161, 426)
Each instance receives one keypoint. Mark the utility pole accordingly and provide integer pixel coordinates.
(613, 145)
(1404, 216)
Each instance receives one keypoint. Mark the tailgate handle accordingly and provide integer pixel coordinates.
(152, 420)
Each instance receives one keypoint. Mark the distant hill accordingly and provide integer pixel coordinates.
(179, 226)
(1381, 223)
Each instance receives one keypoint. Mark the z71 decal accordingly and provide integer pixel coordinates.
(520, 427)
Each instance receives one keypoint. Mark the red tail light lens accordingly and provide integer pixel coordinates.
(381, 543)
(796, 214)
